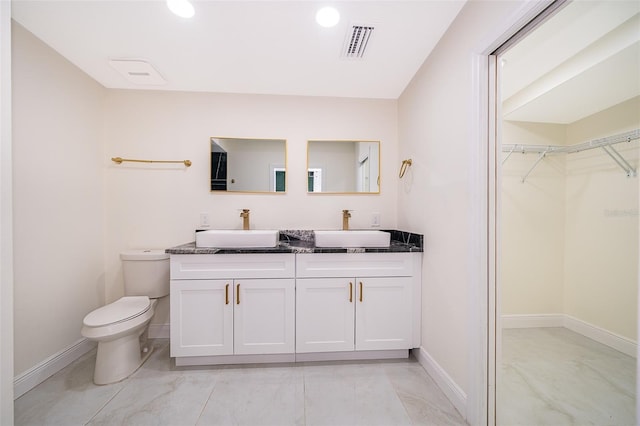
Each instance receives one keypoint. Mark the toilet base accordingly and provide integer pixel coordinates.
(118, 359)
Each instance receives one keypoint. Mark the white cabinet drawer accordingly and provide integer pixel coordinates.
(225, 266)
(316, 265)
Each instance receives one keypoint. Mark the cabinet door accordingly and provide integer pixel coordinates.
(383, 313)
(201, 317)
(325, 314)
(264, 316)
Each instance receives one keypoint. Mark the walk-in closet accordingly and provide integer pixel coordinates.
(568, 287)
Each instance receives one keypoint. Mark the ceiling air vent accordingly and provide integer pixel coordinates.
(357, 41)
(138, 71)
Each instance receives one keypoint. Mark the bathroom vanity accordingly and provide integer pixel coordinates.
(294, 302)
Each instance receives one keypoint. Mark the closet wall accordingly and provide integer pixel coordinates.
(601, 233)
(570, 231)
(533, 223)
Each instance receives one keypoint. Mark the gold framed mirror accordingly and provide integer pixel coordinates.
(248, 165)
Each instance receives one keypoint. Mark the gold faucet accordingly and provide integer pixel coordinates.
(245, 219)
(345, 219)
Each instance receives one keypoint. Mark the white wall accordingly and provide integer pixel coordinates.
(58, 199)
(436, 130)
(159, 207)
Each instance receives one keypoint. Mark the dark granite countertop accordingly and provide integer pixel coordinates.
(303, 241)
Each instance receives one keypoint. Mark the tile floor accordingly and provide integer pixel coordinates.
(553, 376)
(395, 392)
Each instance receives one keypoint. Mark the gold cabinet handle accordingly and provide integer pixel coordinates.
(350, 292)
(361, 291)
(226, 294)
(238, 294)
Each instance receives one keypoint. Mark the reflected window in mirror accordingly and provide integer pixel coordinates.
(248, 165)
(315, 180)
(343, 166)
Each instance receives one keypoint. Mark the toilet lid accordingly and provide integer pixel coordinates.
(121, 310)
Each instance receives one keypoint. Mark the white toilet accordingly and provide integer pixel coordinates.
(120, 328)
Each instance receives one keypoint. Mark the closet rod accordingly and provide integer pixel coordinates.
(604, 143)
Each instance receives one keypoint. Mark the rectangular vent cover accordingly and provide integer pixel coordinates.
(138, 71)
(357, 41)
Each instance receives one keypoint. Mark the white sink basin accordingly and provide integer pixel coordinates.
(352, 239)
(232, 238)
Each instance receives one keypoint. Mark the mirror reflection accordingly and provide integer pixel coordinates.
(248, 165)
(343, 166)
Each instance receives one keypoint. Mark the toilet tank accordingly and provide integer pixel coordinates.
(146, 273)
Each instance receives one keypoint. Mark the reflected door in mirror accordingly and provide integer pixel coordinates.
(218, 171)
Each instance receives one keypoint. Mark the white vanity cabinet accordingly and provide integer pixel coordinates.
(230, 305)
(201, 317)
(356, 302)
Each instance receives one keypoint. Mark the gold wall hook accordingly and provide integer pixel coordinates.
(120, 160)
(403, 168)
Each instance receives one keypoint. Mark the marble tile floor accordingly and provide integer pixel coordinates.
(555, 377)
(397, 392)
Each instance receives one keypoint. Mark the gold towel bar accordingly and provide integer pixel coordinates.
(119, 160)
(403, 168)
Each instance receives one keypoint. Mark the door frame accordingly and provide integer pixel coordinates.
(6, 221)
(485, 203)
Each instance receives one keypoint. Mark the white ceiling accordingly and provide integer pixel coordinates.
(584, 59)
(259, 47)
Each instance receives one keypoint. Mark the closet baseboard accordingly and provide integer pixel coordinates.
(593, 332)
(532, 321)
(600, 335)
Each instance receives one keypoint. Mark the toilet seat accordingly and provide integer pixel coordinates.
(123, 309)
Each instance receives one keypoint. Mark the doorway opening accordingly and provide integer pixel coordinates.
(565, 217)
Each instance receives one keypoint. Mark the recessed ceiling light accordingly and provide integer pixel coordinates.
(327, 17)
(182, 8)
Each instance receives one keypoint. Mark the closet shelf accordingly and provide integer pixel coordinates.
(606, 144)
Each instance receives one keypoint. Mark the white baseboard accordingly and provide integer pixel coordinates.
(446, 384)
(50, 366)
(159, 331)
(593, 332)
(532, 321)
(600, 335)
